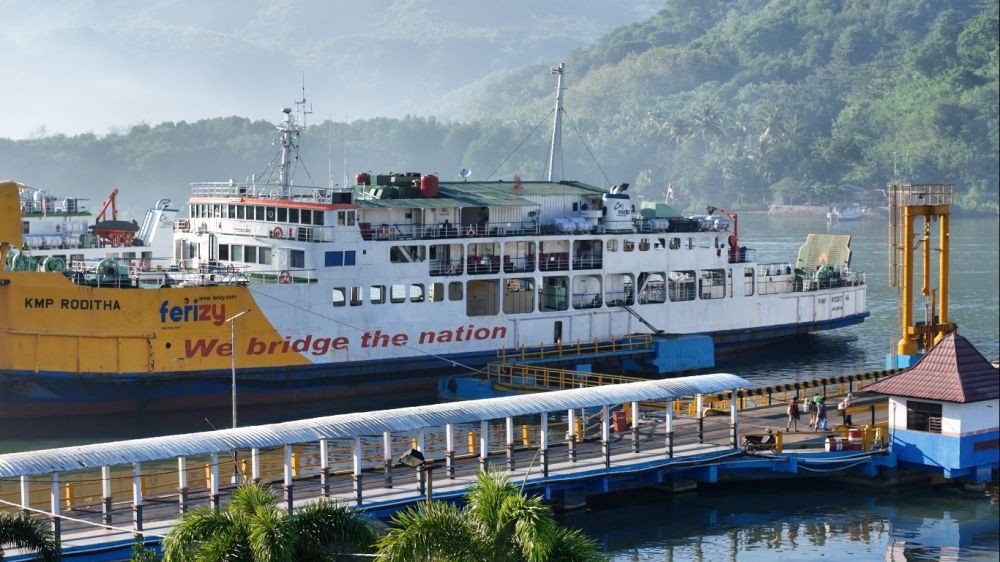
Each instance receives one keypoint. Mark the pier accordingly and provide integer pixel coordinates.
(564, 445)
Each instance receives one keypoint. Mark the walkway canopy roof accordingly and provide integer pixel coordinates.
(357, 424)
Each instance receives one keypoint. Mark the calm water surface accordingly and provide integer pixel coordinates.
(797, 521)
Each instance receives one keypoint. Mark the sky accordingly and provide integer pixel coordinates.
(78, 66)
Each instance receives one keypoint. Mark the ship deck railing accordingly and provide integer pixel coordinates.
(306, 194)
(431, 231)
(577, 348)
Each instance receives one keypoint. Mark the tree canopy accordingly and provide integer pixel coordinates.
(725, 99)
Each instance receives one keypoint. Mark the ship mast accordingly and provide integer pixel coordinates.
(555, 150)
(289, 131)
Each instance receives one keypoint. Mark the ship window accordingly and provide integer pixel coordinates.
(216, 211)
(236, 253)
(298, 258)
(652, 288)
(258, 213)
(318, 218)
(25, 227)
(305, 216)
(376, 294)
(712, 284)
(349, 257)
(250, 254)
(350, 218)
(680, 286)
(612, 245)
(675, 243)
(455, 291)
(241, 212)
(338, 296)
(576, 207)
(587, 292)
(748, 282)
(334, 259)
(482, 298)
(416, 292)
(293, 215)
(519, 296)
(436, 292)
(355, 296)
(628, 246)
(554, 290)
(341, 218)
(407, 254)
(644, 245)
(224, 252)
(264, 256)
(397, 293)
(232, 212)
(923, 416)
(690, 243)
(270, 213)
(282, 214)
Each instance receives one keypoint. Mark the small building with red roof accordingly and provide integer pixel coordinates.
(944, 412)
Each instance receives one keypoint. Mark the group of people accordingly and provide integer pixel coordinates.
(817, 412)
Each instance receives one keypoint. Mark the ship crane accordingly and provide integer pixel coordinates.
(734, 238)
(114, 232)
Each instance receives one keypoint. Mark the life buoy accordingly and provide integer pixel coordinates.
(230, 269)
(277, 233)
(181, 266)
(284, 278)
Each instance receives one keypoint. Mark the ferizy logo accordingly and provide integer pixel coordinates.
(193, 311)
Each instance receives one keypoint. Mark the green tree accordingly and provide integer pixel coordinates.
(19, 530)
(254, 528)
(498, 524)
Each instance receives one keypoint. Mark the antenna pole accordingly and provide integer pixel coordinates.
(555, 150)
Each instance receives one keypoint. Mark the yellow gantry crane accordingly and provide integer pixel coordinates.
(907, 203)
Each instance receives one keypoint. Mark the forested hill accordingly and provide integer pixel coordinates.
(735, 102)
(745, 98)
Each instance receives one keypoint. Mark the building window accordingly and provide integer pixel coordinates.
(923, 416)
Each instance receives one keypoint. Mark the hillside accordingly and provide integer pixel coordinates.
(729, 98)
(734, 102)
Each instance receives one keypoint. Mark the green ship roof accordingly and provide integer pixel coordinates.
(487, 194)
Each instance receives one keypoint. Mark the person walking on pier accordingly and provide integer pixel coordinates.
(821, 421)
(793, 414)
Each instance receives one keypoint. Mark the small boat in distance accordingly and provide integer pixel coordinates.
(851, 213)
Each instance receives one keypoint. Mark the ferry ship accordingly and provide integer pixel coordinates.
(313, 292)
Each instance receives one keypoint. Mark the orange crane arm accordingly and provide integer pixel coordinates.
(111, 201)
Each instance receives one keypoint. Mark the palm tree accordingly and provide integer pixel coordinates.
(19, 530)
(498, 524)
(254, 528)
